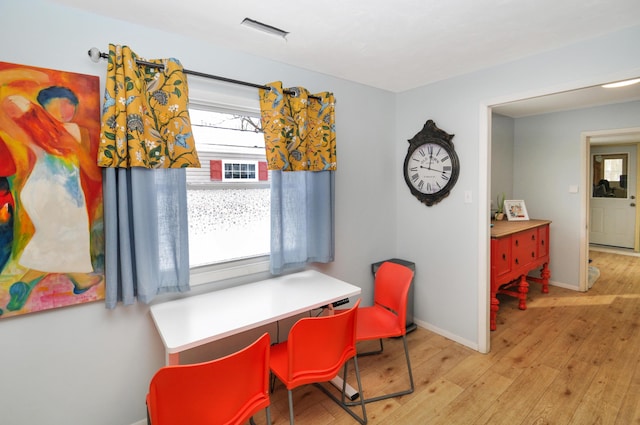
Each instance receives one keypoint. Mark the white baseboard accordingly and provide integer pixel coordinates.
(563, 285)
(142, 422)
(448, 335)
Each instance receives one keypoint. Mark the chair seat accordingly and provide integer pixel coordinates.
(377, 322)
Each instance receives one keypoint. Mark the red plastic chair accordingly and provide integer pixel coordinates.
(315, 351)
(386, 318)
(225, 391)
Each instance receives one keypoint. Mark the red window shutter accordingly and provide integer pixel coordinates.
(215, 169)
(263, 173)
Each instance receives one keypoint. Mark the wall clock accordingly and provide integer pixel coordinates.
(431, 166)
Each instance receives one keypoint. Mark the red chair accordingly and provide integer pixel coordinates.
(225, 391)
(386, 318)
(315, 351)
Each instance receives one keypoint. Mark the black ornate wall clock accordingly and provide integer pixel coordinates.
(431, 166)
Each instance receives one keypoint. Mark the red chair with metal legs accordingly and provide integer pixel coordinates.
(386, 318)
(316, 350)
(225, 391)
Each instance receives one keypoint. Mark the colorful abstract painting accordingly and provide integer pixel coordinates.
(51, 218)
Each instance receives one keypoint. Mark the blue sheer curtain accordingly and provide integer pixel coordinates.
(146, 233)
(300, 146)
(302, 218)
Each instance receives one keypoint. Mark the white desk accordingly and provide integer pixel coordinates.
(189, 322)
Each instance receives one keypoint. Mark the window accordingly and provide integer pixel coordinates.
(240, 171)
(229, 197)
(613, 167)
(610, 175)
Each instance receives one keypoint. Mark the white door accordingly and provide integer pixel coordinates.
(612, 208)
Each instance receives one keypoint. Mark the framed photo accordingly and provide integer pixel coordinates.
(515, 210)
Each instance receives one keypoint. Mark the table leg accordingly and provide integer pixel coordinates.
(349, 390)
(545, 275)
(523, 289)
(495, 306)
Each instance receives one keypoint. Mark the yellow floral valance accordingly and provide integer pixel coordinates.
(145, 120)
(299, 129)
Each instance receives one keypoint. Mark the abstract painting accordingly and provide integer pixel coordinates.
(51, 216)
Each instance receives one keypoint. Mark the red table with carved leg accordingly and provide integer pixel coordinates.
(517, 248)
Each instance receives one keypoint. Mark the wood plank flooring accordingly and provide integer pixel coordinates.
(570, 359)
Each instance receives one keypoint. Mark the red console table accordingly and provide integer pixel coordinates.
(517, 247)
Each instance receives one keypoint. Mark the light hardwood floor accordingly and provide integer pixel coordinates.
(570, 358)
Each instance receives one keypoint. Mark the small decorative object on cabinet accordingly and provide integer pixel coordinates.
(516, 249)
(500, 212)
(516, 210)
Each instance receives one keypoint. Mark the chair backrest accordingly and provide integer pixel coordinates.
(226, 391)
(319, 346)
(391, 289)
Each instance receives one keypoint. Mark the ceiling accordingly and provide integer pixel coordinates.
(392, 45)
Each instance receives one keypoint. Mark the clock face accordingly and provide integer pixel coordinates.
(429, 168)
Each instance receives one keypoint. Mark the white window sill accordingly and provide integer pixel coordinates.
(230, 270)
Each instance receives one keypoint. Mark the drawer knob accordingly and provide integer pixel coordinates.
(504, 256)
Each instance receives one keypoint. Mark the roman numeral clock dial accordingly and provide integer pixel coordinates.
(431, 166)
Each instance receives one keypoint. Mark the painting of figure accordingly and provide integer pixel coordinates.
(51, 218)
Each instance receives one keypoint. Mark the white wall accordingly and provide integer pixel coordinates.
(449, 241)
(85, 365)
(501, 158)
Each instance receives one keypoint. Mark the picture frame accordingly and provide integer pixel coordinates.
(515, 210)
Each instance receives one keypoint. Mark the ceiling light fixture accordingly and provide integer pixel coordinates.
(264, 28)
(622, 83)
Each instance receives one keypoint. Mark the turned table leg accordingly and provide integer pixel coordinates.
(523, 289)
(495, 306)
(544, 276)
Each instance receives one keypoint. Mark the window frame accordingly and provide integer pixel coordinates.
(212, 99)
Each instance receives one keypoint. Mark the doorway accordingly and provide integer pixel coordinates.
(612, 206)
(606, 143)
(546, 103)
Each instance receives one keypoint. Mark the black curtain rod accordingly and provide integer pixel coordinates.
(95, 55)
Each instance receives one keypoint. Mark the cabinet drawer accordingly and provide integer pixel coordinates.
(543, 241)
(524, 247)
(501, 256)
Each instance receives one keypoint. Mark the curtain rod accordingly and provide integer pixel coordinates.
(96, 55)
